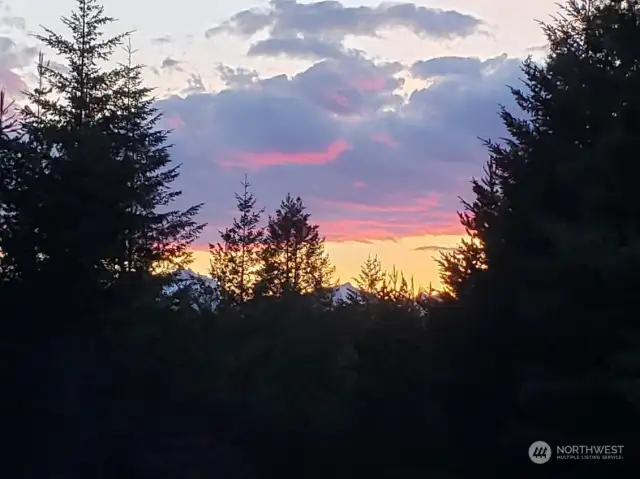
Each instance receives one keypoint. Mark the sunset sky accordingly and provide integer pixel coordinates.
(370, 112)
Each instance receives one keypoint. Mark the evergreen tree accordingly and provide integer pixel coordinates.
(69, 216)
(562, 240)
(23, 170)
(98, 171)
(402, 291)
(7, 115)
(292, 255)
(371, 276)
(461, 267)
(7, 156)
(235, 260)
(368, 282)
(549, 239)
(154, 236)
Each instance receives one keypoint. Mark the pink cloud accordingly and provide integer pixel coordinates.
(359, 230)
(174, 121)
(339, 99)
(254, 160)
(371, 84)
(12, 83)
(358, 184)
(418, 205)
(351, 230)
(384, 138)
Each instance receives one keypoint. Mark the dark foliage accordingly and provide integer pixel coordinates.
(235, 260)
(534, 338)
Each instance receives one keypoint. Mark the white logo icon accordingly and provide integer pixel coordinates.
(539, 452)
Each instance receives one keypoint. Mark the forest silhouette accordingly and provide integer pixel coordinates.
(533, 336)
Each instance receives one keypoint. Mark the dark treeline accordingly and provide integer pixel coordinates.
(533, 338)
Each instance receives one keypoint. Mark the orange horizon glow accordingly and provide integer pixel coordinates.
(363, 231)
(414, 256)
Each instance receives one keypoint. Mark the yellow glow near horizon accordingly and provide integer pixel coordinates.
(401, 253)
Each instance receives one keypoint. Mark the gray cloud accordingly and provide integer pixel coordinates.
(163, 40)
(236, 77)
(444, 66)
(195, 84)
(13, 22)
(171, 64)
(459, 66)
(59, 67)
(298, 47)
(336, 125)
(331, 19)
(14, 57)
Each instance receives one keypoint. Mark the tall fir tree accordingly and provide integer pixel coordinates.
(235, 259)
(292, 255)
(154, 237)
(73, 214)
(562, 241)
(564, 228)
(99, 170)
(461, 267)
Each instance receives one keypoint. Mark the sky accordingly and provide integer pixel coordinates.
(371, 112)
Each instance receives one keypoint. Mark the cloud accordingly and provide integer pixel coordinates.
(255, 161)
(195, 84)
(236, 78)
(417, 206)
(333, 20)
(59, 67)
(434, 248)
(171, 64)
(457, 66)
(355, 230)
(12, 22)
(445, 66)
(12, 83)
(14, 57)
(370, 163)
(297, 47)
(163, 40)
